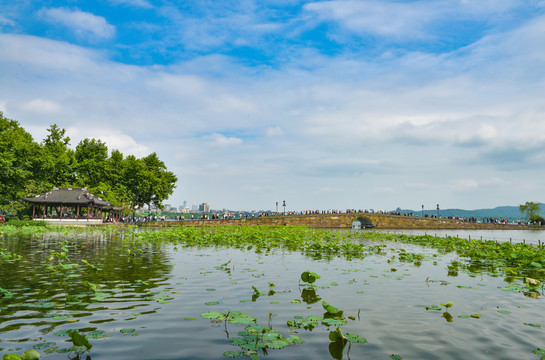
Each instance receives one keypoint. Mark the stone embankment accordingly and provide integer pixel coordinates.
(344, 221)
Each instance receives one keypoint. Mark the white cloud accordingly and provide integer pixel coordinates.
(203, 27)
(222, 140)
(134, 3)
(398, 124)
(494, 182)
(466, 184)
(83, 24)
(43, 58)
(274, 131)
(42, 106)
(3, 104)
(407, 20)
(124, 143)
(378, 17)
(416, 186)
(4, 21)
(384, 190)
(328, 190)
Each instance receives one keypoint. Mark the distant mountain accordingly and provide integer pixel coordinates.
(503, 212)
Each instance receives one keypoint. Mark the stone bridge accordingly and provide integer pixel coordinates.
(345, 220)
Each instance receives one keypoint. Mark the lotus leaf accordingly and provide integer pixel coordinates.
(30, 355)
(293, 339)
(78, 339)
(237, 341)
(11, 357)
(278, 344)
(333, 322)
(337, 335)
(309, 277)
(242, 319)
(332, 310)
(253, 345)
(353, 338)
(447, 305)
(42, 345)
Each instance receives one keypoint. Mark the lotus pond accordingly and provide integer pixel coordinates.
(266, 293)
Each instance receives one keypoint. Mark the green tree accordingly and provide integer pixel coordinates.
(21, 165)
(111, 186)
(91, 163)
(530, 210)
(28, 168)
(59, 158)
(147, 181)
(135, 179)
(163, 182)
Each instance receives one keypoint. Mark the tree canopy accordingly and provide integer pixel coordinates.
(531, 210)
(29, 168)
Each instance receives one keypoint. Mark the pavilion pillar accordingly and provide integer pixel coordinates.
(61, 208)
(77, 212)
(33, 211)
(44, 210)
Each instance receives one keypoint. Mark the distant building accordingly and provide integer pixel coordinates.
(204, 207)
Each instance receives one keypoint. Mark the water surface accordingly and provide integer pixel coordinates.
(149, 294)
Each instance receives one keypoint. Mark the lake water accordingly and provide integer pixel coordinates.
(150, 298)
(515, 236)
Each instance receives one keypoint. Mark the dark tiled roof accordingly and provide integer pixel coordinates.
(68, 196)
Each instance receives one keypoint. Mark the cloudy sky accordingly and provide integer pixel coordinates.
(324, 104)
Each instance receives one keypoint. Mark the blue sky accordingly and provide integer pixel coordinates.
(325, 104)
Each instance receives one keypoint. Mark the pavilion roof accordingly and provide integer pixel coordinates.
(68, 196)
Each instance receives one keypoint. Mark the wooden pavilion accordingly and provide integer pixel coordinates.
(68, 204)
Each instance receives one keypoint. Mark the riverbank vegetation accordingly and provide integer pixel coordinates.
(30, 168)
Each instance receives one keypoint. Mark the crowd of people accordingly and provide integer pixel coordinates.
(231, 215)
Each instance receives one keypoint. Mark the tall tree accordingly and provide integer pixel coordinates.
(91, 162)
(530, 210)
(135, 178)
(119, 194)
(59, 158)
(163, 182)
(147, 180)
(20, 163)
(28, 168)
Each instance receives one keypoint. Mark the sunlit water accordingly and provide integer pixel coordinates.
(153, 296)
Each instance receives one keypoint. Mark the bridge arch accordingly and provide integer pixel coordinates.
(362, 222)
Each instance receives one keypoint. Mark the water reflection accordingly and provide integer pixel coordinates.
(65, 280)
(309, 296)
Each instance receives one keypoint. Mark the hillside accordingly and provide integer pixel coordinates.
(503, 212)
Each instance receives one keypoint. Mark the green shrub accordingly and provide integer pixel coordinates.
(22, 223)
